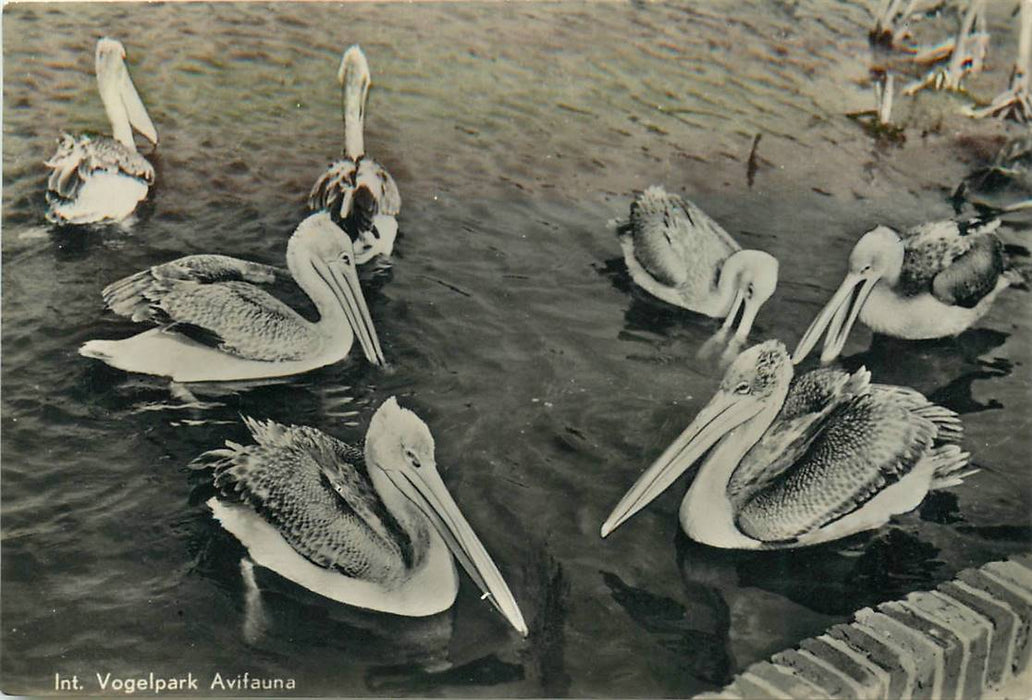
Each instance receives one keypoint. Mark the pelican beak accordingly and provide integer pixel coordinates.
(722, 414)
(134, 108)
(121, 100)
(344, 283)
(749, 309)
(425, 488)
(838, 317)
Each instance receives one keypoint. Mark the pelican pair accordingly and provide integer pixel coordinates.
(368, 527)
(95, 179)
(791, 461)
(357, 191)
(678, 254)
(216, 324)
(932, 281)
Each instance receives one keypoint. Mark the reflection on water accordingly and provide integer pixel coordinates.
(917, 363)
(694, 629)
(515, 132)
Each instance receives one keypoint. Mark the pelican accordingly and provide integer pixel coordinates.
(368, 527)
(357, 190)
(678, 254)
(796, 461)
(95, 179)
(214, 324)
(933, 281)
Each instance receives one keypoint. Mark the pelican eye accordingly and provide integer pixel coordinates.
(413, 459)
(750, 290)
(742, 388)
(345, 258)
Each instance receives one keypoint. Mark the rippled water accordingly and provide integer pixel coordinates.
(515, 132)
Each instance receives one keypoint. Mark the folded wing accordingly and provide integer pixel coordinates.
(959, 263)
(865, 444)
(314, 490)
(202, 297)
(77, 158)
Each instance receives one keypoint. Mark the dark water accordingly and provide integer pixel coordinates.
(515, 133)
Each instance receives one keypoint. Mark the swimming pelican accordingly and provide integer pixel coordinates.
(368, 527)
(677, 253)
(95, 179)
(215, 325)
(357, 190)
(933, 281)
(796, 461)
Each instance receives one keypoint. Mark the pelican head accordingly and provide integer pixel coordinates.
(748, 398)
(320, 251)
(754, 275)
(354, 79)
(877, 256)
(400, 445)
(122, 103)
(353, 65)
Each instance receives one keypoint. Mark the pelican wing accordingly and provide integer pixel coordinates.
(957, 262)
(315, 491)
(865, 444)
(77, 158)
(133, 296)
(355, 194)
(332, 186)
(674, 240)
(234, 317)
(812, 398)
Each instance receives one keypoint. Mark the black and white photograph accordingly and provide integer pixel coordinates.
(526, 349)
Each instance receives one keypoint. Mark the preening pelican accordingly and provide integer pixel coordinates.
(356, 190)
(215, 325)
(677, 253)
(370, 527)
(933, 281)
(95, 179)
(797, 461)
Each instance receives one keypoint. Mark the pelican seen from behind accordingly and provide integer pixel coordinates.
(678, 254)
(96, 179)
(357, 191)
(368, 527)
(932, 281)
(791, 461)
(215, 324)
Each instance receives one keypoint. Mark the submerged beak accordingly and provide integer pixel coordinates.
(343, 281)
(425, 488)
(721, 415)
(838, 317)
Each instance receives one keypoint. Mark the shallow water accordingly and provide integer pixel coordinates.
(515, 132)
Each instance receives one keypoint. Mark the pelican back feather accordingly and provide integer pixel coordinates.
(867, 443)
(354, 193)
(314, 489)
(234, 317)
(77, 158)
(129, 296)
(675, 241)
(958, 262)
(810, 400)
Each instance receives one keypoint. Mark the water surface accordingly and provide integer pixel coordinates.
(515, 132)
